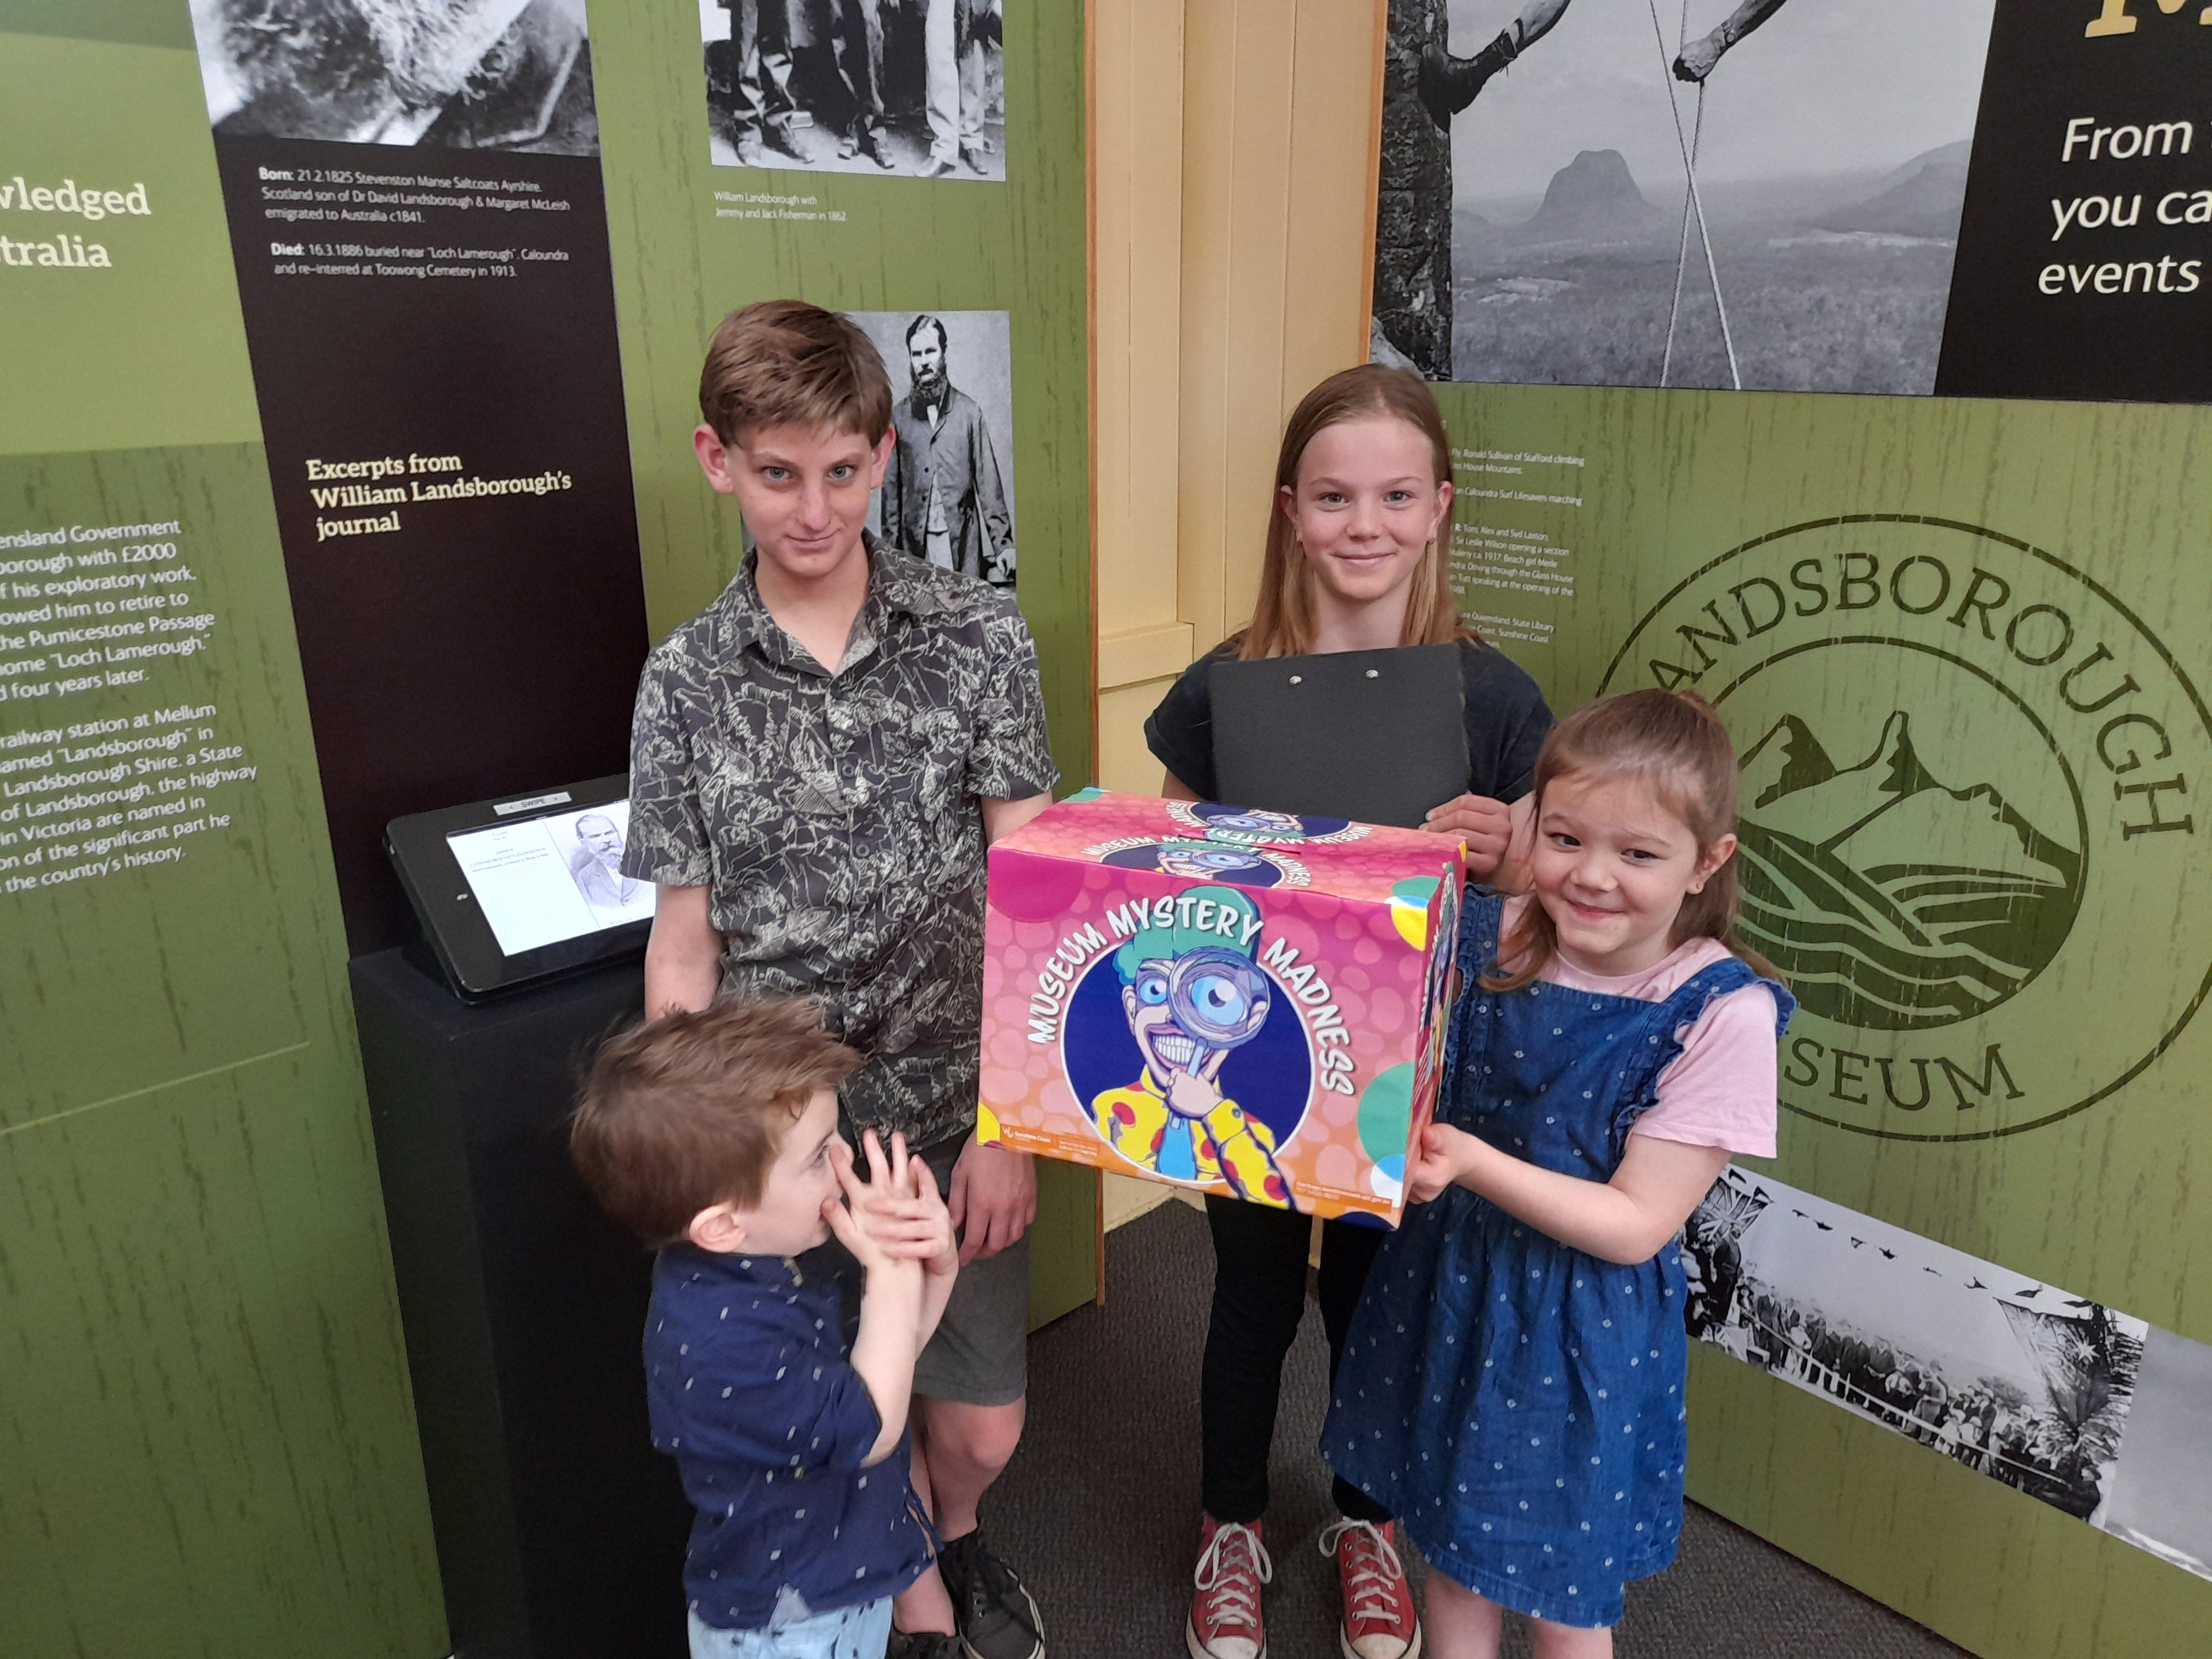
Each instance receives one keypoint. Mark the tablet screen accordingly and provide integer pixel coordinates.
(549, 879)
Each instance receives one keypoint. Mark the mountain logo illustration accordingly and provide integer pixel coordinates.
(1976, 792)
(1890, 899)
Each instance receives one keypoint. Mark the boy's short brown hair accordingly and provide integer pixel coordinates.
(688, 1110)
(784, 362)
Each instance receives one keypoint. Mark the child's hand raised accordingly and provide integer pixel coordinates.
(849, 1216)
(1441, 1158)
(943, 1255)
(898, 1206)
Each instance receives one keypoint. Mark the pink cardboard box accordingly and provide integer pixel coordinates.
(1242, 1002)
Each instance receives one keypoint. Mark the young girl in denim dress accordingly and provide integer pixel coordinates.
(1512, 1387)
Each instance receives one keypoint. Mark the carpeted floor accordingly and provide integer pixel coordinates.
(1099, 1509)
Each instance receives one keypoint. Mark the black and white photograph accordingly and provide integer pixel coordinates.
(503, 75)
(1749, 194)
(595, 866)
(538, 881)
(2161, 1501)
(949, 495)
(915, 88)
(2018, 1380)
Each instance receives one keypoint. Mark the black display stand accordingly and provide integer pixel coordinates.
(560, 1530)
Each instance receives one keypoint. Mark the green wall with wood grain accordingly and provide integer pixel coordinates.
(207, 1445)
(2085, 1173)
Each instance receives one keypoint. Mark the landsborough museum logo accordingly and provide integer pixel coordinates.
(1974, 820)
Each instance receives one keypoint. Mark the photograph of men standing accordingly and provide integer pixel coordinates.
(913, 88)
(944, 497)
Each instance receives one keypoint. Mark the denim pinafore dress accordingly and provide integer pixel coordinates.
(1515, 1403)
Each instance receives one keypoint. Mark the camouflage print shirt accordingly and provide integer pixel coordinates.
(836, 817)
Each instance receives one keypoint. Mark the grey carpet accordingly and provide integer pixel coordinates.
(1099, 1509)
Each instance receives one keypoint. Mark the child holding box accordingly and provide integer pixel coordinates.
(714, 1135)
(1357, 558)
(1512, 1384)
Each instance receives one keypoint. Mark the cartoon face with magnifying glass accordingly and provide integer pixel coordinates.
(1253, 826)
(1191, 996)
(1198, 861)
(1251, 819)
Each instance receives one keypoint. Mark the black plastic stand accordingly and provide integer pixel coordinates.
(560, 1530)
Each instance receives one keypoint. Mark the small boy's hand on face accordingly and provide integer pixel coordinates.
(857, 1221)
(845, 1223)
(898, 1206)
(1440, 1160)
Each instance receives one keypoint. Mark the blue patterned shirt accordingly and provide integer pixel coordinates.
(750, 1390)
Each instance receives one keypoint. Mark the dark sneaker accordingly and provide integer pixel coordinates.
(1226, 1622)
(923, 1644)
(997, 1617)
(1379, 1622)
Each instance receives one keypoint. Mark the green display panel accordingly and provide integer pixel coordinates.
(1960, 647)
(995, 248)
(695, 238)
(1955, 1343)
(206, 1438)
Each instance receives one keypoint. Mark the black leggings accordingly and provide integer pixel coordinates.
(1258, 1296)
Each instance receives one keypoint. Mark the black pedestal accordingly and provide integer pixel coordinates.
(560, 1530)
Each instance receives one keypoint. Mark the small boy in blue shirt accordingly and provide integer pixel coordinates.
(712, 1135)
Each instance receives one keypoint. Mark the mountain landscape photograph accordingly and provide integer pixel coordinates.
(1829, 147)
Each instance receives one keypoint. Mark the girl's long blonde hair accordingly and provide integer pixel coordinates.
(1283, 622)
(1674, 744)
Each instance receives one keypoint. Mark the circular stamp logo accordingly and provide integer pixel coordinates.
(1201, 861)
(1973, 817)
(1248, 826)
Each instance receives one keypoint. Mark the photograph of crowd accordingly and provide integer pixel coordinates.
(948, 495)
(1753, 194)
(913, 88)
(507, 74)
(2016, 1380)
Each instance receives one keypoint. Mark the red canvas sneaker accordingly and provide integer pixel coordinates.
(1379, 1622)
(1224, 1615)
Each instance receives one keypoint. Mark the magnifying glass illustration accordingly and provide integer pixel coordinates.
(1219, 998)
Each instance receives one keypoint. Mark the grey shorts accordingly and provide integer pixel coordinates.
(981, 1354)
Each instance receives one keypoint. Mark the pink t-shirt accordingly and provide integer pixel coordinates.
(1721, 1090)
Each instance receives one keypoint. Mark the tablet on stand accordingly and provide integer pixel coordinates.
(516, 890)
